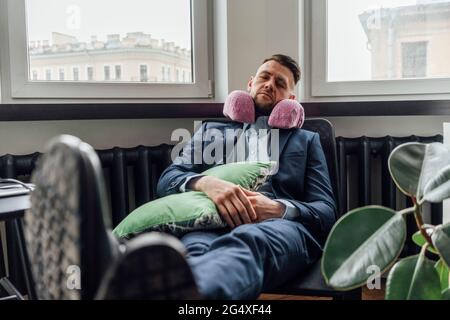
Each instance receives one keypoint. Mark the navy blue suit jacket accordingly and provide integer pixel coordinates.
(302, 177)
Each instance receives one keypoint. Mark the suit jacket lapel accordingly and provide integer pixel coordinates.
(284, 137)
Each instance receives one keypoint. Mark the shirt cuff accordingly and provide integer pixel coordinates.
(291, 212)
(183, 186)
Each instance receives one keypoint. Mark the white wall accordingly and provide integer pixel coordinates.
(395, 126)
(245, 32)
(27, 137)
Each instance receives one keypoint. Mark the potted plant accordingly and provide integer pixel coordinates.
(371, 238)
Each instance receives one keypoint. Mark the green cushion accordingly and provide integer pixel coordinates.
(184, 212)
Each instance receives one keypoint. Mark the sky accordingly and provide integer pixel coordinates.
(83, 18)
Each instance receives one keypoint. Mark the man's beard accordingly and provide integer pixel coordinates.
(263, 109)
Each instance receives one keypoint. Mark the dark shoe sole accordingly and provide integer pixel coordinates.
(52, 227)
(153, 267)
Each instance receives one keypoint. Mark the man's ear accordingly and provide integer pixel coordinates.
(250, 84)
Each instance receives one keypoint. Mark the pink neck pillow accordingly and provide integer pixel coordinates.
(287, 114)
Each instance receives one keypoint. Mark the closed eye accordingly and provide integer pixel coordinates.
(281, 84)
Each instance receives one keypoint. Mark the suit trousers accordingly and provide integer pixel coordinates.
(252, 258)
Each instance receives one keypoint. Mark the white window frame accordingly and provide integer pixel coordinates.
(321, 87)
(33, 71)
(22, 87)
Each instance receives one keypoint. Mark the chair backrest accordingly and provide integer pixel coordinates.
(328, 141)
(65, 229)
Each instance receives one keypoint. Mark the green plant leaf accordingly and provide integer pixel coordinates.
(437, 188)
(422, 171)
(413, 278)
(363, 238)
(441, 241)
(443, 273)
(420, 241)
(405, 165)
(446, 295)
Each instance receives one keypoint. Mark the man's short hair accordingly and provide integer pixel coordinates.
(289, 63)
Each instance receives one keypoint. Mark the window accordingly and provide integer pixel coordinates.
(61, 74)
(118, 71)
(107, 73)
(34, 75)
(48, 74)
(163, 73)
(81, 31)
(414, 59)
(76, 74)
(380, 47)
(90, 73)
(143, 73)
(177, 76)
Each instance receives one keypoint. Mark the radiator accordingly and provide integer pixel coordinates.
(363, 165)
(358, 157)
(141, 166)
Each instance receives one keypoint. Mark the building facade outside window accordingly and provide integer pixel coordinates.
(414, 59)
(76, 74)
(163, 73)
(118, 72)
(143, 73)
(90, 73)
(107, 73)
(61, 74)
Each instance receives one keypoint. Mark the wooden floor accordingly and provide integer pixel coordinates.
(366, 295)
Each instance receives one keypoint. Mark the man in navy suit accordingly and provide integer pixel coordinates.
(275, 233)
